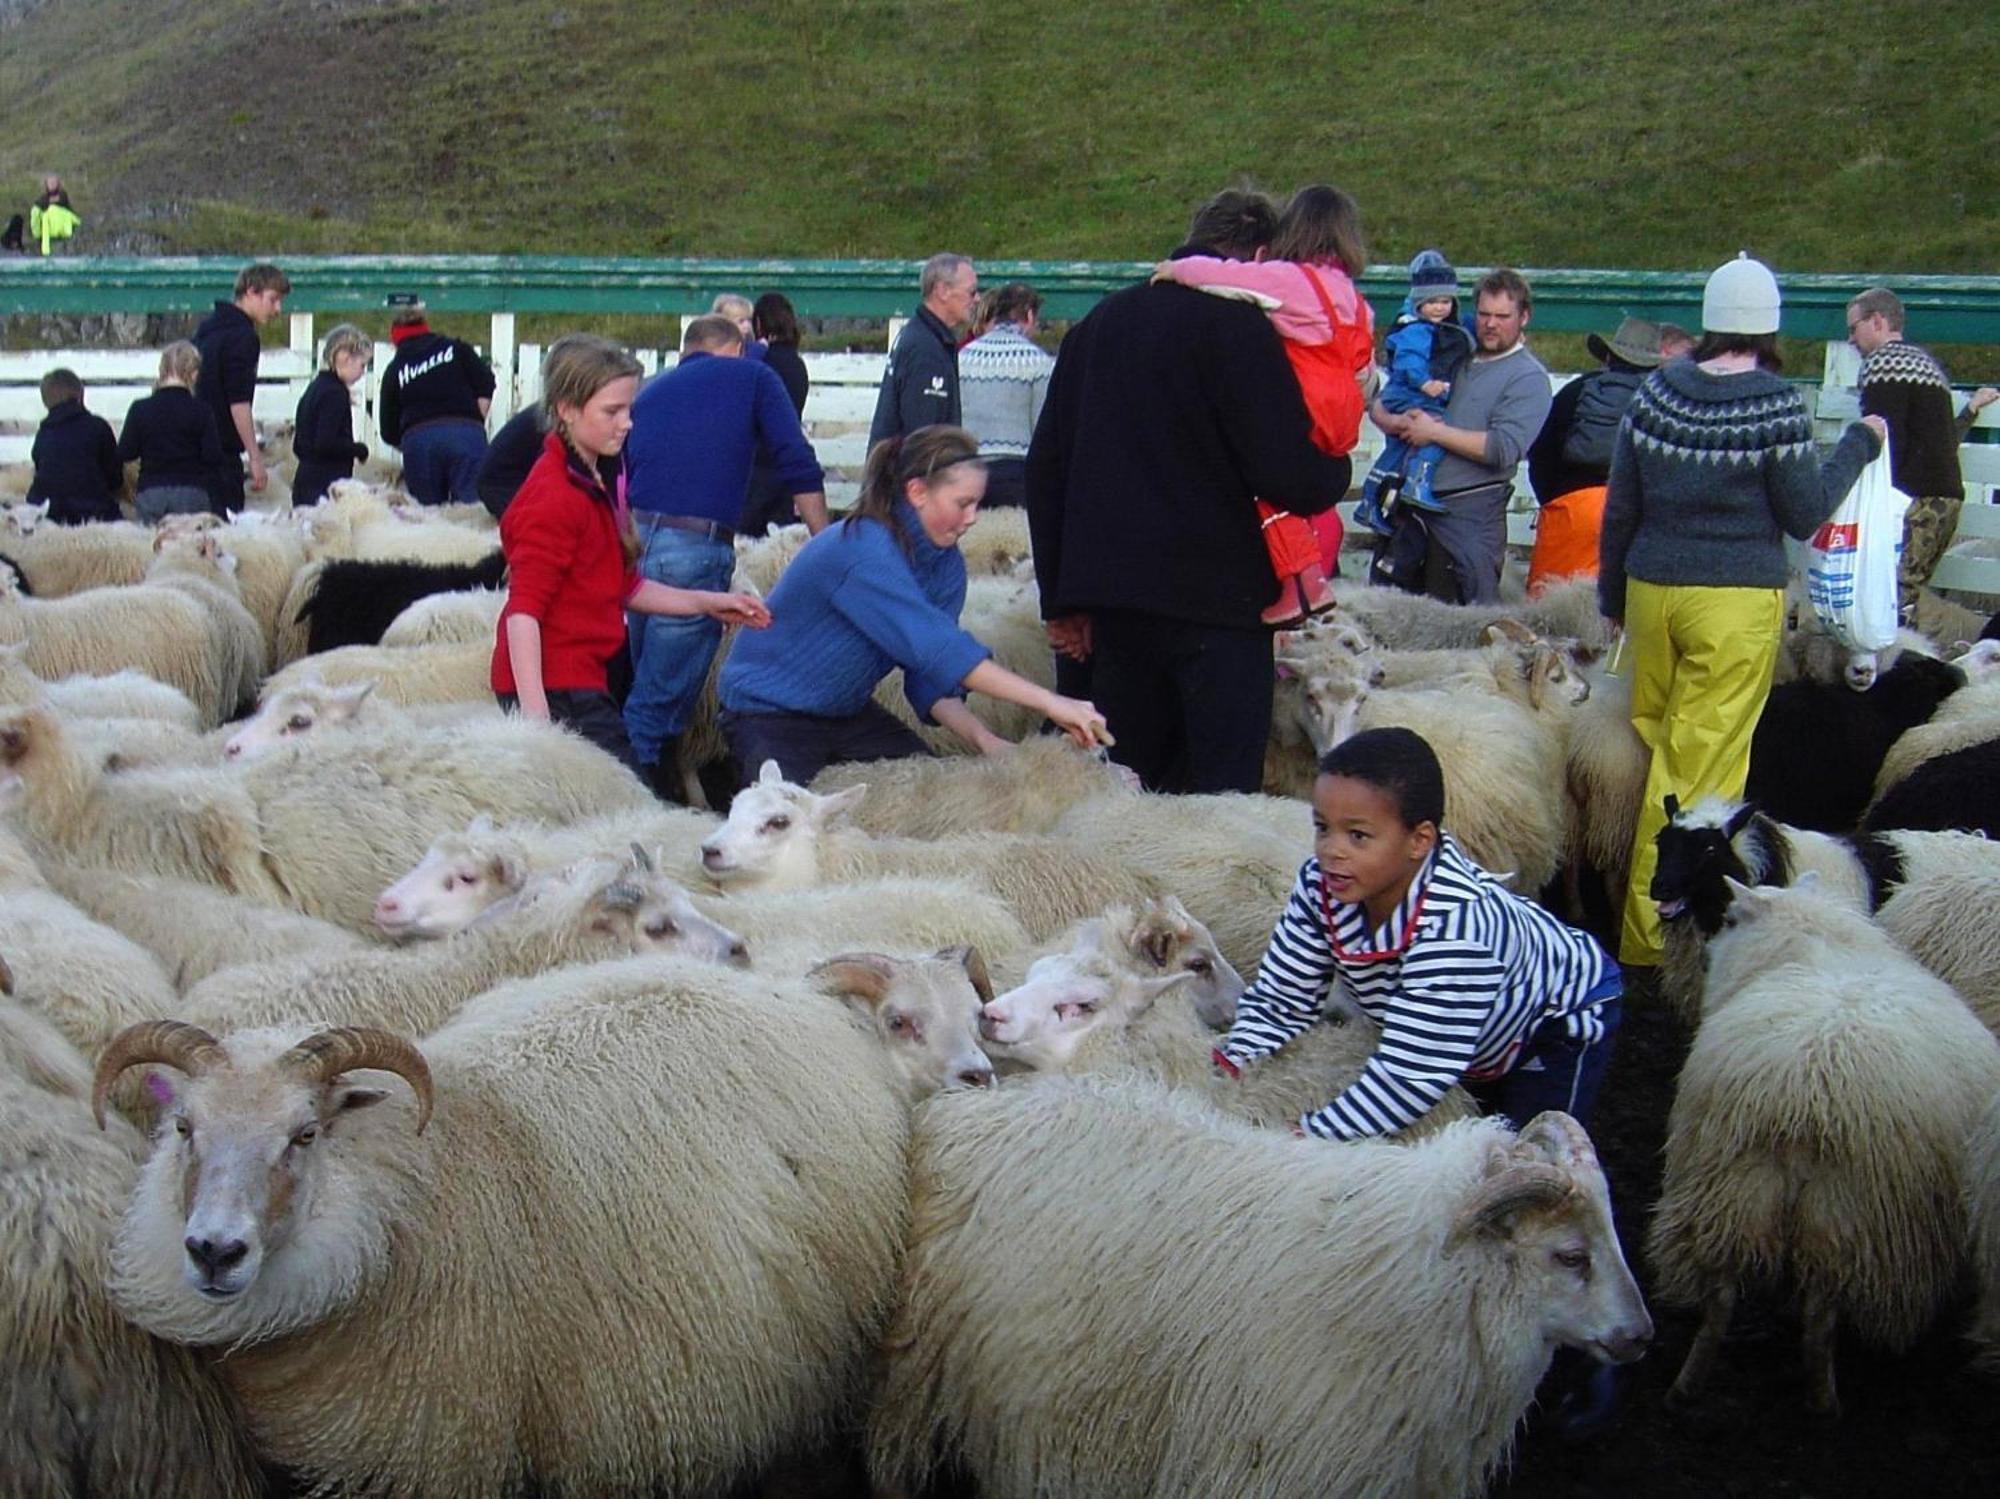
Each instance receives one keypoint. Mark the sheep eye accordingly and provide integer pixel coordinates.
(298, 723)
(776, 824)
(306, 1136)
(1201, 967)
(898, 1024)
(467, 877)
(182, 1127)
(1573, 1259)
(661, 926)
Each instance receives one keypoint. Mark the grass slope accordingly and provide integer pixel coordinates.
(1835, 135)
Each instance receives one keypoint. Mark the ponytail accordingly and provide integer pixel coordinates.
(895, 461)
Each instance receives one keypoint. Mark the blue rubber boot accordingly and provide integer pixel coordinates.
(1417, 486)
(1369, 512)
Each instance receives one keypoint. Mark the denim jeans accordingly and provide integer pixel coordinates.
(1554, 1072)
(671, 652)
(441, 462)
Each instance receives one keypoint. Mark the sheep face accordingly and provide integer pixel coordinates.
(1553, 677)
(458, 878)
(629, 900)
(771, 836)
(22, 518)
(258, 1209)
(1065, 997)
(1543, 1205)
(1697, 855)
(925, 1012)
(292, 713)
(1980, 661)
(1164, 938)
(1328, 709)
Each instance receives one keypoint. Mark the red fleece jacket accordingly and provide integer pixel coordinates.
(566, 569)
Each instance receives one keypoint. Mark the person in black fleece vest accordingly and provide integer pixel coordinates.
(323, 429)
(77, 473)
(435, 395)
(171, 435)
(1168, 412)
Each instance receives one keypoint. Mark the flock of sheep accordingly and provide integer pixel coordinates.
(397, 1095)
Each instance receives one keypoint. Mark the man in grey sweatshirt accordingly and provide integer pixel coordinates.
(1495, 411)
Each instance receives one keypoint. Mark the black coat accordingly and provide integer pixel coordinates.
(323, 438)
(432, 378)
(1169, 413)
(76, 466)
(920, 385)
(227, 339)
(171, 435)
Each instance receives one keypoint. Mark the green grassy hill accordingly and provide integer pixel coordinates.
(1836, 135)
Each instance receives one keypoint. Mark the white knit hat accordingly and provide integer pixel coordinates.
(1741, 297)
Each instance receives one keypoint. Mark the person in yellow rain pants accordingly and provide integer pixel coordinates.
(1713, 467)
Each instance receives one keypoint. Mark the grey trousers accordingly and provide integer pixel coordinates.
(1468, 544)
(162, 500)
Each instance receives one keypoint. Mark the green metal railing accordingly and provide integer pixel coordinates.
(1943, 309)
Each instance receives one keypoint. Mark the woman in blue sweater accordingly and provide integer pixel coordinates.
(880, 590)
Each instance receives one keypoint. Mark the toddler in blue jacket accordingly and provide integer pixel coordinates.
(1425, 350)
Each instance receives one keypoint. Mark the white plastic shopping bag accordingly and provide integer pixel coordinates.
(1852, 558)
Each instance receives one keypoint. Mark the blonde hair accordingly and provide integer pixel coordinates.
(344, 339)
(180, 362)
(576, 367)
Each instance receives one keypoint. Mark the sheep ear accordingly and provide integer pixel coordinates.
(1808, 881)
(1149, 990)
(481, 825)
(1739, 819)
(353, 696)
(1159, 933)
(1744, 897)
(770, 774)
(855, 976)
(1673, 805)
(832, 808)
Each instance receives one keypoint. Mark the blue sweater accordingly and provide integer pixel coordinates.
(849, 610)
(695, 430)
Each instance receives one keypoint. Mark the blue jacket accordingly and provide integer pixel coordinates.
(695, 429)
(849, 610)
(1420, 351)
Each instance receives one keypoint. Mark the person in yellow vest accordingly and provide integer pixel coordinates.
(1713, 467)
(52, 218)
(1569, 462)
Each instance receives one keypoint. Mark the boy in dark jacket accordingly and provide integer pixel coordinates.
(77, 473)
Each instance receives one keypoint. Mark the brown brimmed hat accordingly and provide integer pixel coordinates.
(1637, 341)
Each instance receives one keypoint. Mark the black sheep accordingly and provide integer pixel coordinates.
(354, 602)
(1818, 748)
(1959, 790)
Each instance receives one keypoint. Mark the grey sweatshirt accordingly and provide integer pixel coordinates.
(1507, 399)
(1709, 475)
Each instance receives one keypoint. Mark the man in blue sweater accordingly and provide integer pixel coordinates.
(695, 430)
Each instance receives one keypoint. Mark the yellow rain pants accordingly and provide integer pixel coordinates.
(1701, 661)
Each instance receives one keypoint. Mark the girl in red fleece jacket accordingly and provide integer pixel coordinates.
(571, 554)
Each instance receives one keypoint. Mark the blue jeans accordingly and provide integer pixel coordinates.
(441, 462)
(1554, 1071)
(671, 652)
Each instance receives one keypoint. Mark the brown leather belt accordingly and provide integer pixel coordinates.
(647, 520)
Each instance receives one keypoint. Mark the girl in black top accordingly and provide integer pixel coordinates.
(171, 435)
(323, 428)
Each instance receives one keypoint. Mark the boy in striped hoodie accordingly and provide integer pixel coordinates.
(1469, 982)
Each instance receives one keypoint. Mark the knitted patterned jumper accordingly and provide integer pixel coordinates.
(1709, 474)
(1907, 388)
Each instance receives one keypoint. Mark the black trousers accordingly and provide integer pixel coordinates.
(1189, 704)
(804, 744)
(1006, 483)
(592, 714)
(227, 490)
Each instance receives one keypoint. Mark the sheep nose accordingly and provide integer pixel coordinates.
(232, 749)
(388, 908)
(213, 1257)
(975, 1077)
(710, 857)
(739, 956)
(989, 1025)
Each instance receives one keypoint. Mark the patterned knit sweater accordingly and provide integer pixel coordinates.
(1709, 474)
(1907, 388)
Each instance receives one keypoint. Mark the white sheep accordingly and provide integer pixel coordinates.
(761, 562)
(465, 871)
(309, 707)
(1410, 622)
(1024, 791)
(199, 568)
(997, 544)
(1818, 1132)
(158, 631)
(81, 976)
(122, 694)
(405, 675)
(195, 929)
(603, 908)
(358, 520)
(728, 1155)
(1969, 716)
(1005, 616)
(781, 836)
(1604, 773)
(93, 1405)
(788, 932)
(1229, 858)
(266, 556)
(1116, 1292)
(319, 828)
(61, 560)
(448, 619)
(1982, 1207)
(924, 1012)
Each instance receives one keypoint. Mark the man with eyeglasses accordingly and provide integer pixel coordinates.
(920, 386)
(1908, 389)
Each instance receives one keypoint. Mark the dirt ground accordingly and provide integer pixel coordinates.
(1924, 1423)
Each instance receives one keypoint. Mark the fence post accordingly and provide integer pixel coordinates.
(377, 367)
(502, 355)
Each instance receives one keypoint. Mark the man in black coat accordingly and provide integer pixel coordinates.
(227, 384)
(920, 383)
(1170, 411)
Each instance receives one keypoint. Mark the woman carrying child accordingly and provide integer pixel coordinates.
(572, 554)
(1306, 279)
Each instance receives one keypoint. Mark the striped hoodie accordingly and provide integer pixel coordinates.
(1458, 977)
